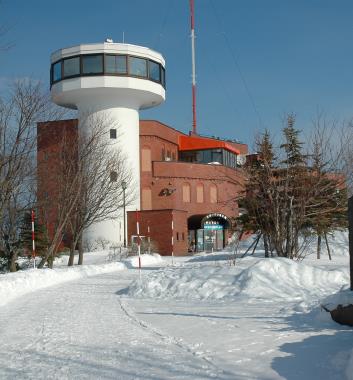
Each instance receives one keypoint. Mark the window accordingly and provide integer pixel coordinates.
(163, 76)
(113, 176)
(177, 236)
(146, 162)
(113, 133)
(115, 64)
(213, 194)
(183, 236)
(199, 193)
(138, 67)
(163, 153)
(92, 64)
(146, 199)
(186, 193)
(57, 71)
(217, 156)
(154, 71)
(71, 67)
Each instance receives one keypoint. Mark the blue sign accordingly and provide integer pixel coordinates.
(213, 227)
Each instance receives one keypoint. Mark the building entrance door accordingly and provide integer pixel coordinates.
(207, 232)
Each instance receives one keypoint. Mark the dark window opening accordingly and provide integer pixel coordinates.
(113, 176)
(178, 236)
(113, 133)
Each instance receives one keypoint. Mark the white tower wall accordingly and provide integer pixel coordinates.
(117, 99)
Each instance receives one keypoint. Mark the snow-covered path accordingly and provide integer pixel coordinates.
(80, 330)
(197, 319)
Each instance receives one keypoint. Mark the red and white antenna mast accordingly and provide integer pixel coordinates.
(193, 67)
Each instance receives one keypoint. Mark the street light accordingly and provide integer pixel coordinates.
(124, 186)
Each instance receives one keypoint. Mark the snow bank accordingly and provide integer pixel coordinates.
(13, 285)
(271, 280)
(146, 260)
(344, 297)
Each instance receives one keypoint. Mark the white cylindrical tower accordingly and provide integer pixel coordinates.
(112, 81)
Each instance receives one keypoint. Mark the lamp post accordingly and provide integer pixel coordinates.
(124, 186)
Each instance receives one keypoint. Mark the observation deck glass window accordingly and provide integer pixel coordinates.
(154, 71)
(163, 76)
(57, 71)
(115, 64)
(138, 67)
(92, 64)
(71, 67)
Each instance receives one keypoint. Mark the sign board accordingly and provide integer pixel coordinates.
(213, 227)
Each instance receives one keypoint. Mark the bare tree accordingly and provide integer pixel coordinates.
(102, 171)
(20, 108)
(83, 178)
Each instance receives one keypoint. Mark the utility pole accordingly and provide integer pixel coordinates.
(350, 220)
(193, 67)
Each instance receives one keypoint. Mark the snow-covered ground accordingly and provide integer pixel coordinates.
(198, 317)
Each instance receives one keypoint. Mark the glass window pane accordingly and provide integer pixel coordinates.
(154, 72)
(92, 64)
(56, 71)
(115, 64)
(163, 76)
(138, 67)
(71, 67)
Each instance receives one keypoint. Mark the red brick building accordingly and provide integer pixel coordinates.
(189, 185)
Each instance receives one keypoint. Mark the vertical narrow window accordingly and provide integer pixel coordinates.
(113, 176)
(146, 161)
(199, 193)
(163, 76)
(113, 133)
(57, 71)
(146, 198)
(163, 153)
(154, 71)
(213, 194)
(186, 193)
(177, 236)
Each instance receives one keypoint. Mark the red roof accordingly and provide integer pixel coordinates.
(201, 143)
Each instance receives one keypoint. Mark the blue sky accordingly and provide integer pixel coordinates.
(256, 59)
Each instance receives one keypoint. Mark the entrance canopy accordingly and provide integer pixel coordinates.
(209, 221)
